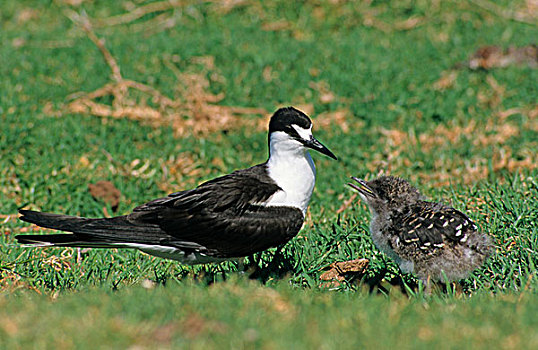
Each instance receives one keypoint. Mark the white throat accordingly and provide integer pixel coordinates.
(292, 169)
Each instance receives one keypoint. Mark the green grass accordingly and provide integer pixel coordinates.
(241, 314)
(457, 144)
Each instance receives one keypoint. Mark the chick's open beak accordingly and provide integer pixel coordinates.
(362, 187)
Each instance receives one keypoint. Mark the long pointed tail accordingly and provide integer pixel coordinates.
(88, 232)
(54, 221)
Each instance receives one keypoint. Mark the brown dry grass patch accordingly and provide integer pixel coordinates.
(488, 136)
(11, 282)
(195, 110)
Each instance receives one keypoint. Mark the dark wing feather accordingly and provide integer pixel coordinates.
(102, 231)
(224, 215)
(432, 225)
(235, 192)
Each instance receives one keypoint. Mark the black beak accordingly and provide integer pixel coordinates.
(318, 146)
(362, 187)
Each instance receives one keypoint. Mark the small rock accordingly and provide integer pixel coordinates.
(339, 271)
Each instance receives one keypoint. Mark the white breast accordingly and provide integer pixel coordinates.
(293, 170)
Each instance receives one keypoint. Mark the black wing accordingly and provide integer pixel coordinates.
(432, 225)
(224, 217)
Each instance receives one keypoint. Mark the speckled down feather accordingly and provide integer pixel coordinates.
(429, 239)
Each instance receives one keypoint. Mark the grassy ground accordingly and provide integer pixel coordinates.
(381, 83)
(247, 315)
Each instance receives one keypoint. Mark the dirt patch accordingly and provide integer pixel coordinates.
(105, 191)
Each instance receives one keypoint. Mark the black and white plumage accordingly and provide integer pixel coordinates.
(229, 217)
(429, 239)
